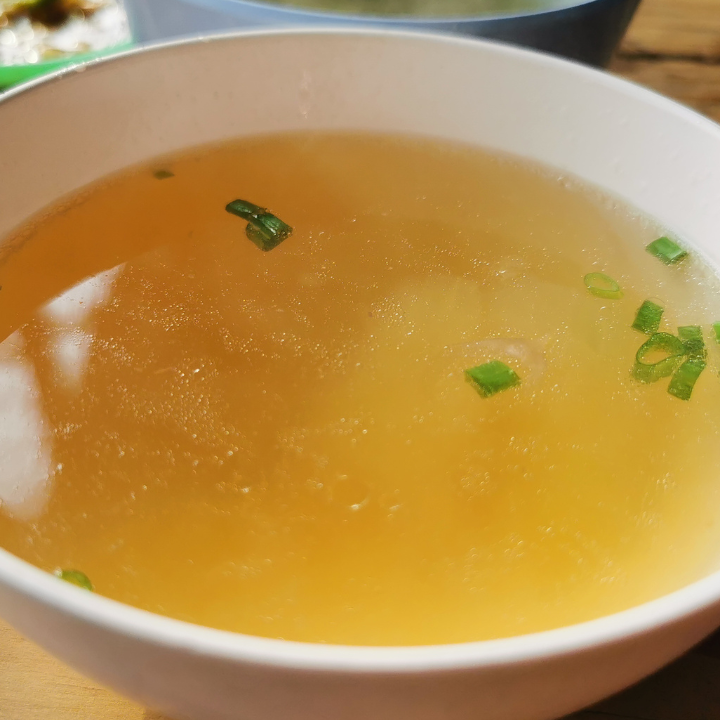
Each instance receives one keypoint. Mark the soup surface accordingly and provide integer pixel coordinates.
(426, 8)
(284, 443)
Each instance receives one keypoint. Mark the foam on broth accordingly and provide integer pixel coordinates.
(283, 443)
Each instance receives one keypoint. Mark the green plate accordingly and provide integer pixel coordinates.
(13, 74)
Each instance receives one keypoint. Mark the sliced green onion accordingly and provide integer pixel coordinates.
(246, 210)
(664, 343)
(602, 285)
(647, 319)
(716, 328)
(683, 381)
(265, 229)
(492, 377)
(163, 174)
(76, 578)
(692, 338)
(667, 251)
(269, 232)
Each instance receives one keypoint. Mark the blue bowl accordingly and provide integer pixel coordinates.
(584, 30)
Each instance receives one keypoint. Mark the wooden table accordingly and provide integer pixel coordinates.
(672, 46)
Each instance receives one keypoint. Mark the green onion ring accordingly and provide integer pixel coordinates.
(492, 377)
(76, 577)
(666, 250)
(683, 381)
(647, 318)
(659, 342)
(716, 329)
(692, 338)
(265, 229)
(602, 285)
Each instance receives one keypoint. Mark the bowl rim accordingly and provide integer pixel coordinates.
(416, 21)
(116, 617)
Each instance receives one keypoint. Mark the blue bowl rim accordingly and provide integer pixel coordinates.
(299, 13)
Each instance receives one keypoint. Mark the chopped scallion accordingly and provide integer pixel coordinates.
(163, 174)
(663, 344)
(647, 319)
(265, 229)
(692, 338)
(716, 328)
(492, 377)
(666, 250)
(76, 578)
(602, 285)
(683, 381)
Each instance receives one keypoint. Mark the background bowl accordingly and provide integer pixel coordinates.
(653, 153)
(14, 74)
(585, 30)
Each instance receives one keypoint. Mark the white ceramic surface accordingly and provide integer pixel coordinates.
(61, 133)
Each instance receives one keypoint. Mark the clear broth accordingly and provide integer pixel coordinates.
(283, 443)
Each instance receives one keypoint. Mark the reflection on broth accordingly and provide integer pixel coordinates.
(284, 443)
(25, 443)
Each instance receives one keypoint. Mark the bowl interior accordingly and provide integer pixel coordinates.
(657, 156)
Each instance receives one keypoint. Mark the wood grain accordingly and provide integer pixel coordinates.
(681, 28)
(672, 46)
(35, 686)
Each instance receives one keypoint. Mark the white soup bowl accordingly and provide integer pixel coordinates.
(58, 134)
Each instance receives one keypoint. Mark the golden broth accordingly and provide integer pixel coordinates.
(284, 444)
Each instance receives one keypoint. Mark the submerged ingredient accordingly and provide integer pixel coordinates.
(600, 285)
(492, 377)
